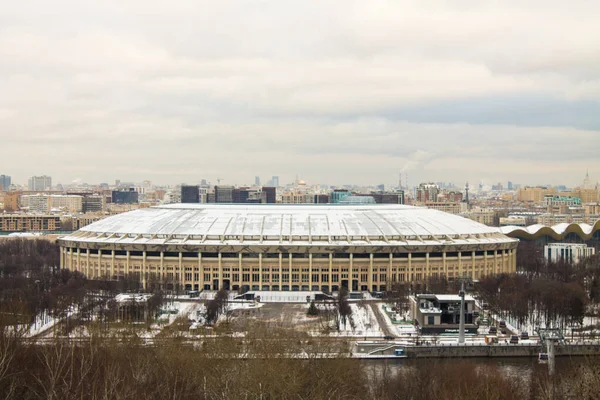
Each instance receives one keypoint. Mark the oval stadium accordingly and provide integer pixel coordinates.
(286, 247)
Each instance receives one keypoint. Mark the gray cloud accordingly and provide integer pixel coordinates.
(335, 91)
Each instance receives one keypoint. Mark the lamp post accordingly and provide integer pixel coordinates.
(461, 326)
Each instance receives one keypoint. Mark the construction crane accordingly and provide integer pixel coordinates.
(219, 181)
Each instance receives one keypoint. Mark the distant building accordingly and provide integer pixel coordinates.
(270, 194)
(534, 194)
(297, 197)
(224, 194)
(257, 181)
(452, 208)
(190, 194)
(483, 216)
(321, 199)
(38, 183)
(124, 197)
(510, 185)
(551, 200)
(43, 203)
(338, 194)
(29, 223)
(568, 252)
(427, 192)
(357, 200)
(5, 182)
(513, 221)
(92, 204)
(385, 198)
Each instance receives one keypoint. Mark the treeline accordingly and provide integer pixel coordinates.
(546, 294)
(214, 370)
(33, 285)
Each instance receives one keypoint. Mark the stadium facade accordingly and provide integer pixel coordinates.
(286, 248)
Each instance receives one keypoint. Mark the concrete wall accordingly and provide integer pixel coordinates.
(497, 350)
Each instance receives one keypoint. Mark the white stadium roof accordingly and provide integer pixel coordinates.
(216, 224)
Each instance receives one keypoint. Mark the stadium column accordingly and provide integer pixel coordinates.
(250, 277)
(290, 272)
(97, 270)
(472, 265)
(220, 271)
(409, 274)
(240, 270)
(194, 269)
(504, 261)
(144, 281)
(112, 264)
(389, 274)
(495, 268)
(87, 263)
(350, 265)
(330, 272)
(200, 272)
(162, 268)
(459, 274)
(127, 263)
(180, 270)
(310, 282)
(280, 281)
(370, 276)
(260, 275)
(62, 257)
(485, 263)
(444, 266)
(426, 276)
(79, 260)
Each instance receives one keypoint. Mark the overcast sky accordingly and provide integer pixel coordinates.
(334, 91)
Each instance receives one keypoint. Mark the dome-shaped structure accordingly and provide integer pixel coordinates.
(395, 242)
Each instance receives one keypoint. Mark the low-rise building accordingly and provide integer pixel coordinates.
(513, 221)
(568, 252)
(29, 223)
(440, 313)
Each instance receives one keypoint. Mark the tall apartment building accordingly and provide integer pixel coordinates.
(37, 183)
(42, 203)
(427, 192)
(5, 182)
(190, 194)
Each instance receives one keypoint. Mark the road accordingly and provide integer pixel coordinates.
(381, 319)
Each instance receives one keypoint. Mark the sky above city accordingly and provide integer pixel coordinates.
(337, 92)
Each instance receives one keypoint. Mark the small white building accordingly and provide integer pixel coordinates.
(569, 252)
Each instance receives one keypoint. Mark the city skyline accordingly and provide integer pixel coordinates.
(267, 181)
(338, 93)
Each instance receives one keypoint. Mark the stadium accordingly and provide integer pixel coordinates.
(286, 247)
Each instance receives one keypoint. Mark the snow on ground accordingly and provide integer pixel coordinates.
(403, 329)
(44, 322)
